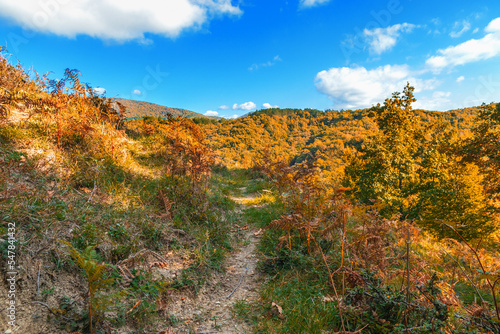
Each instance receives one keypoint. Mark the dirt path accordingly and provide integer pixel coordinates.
(211, 311)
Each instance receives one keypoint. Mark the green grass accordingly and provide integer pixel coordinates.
(304, 310)
(261, 216)
(239, 182)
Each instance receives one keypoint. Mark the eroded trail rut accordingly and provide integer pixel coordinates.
(211, 310)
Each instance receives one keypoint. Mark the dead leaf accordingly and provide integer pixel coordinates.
(327, 299)
(241, 227)
(280, 310)
(136, 304)
(259, 232)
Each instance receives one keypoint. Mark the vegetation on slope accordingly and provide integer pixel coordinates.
(376, 221)
(409, 243)
(98, 203)
(295, 135)
(138, 109)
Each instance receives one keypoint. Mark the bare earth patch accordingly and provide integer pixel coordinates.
(211, 310)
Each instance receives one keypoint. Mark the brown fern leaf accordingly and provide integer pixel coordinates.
(159, 265)
(475, 310)
(126, 271)
(283, 239)
(127, 276)
(3, 112)
(327, 230)
(287, 222)
(167, 205)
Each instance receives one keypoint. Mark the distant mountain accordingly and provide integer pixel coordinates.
(297, 134)
(137, 109)
(247, 114)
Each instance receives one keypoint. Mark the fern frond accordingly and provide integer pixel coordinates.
(95, 272)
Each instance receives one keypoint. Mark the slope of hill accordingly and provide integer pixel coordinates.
(295, 134)
(117, 226)
(137, 109)
(100, 195)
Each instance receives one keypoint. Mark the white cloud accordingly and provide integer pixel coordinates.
(211, 113)
(470, 51)
(269, 106)
(231, 117)
(459, 28)
(384, 39)
(99, 90)
(136, 92)
(441, 95)
(438, 101)
(119, 20)
(460, 78)
(266, 64)
(244, 106)
(493, 26)
(436, 21)
(311, 3)
(224, 107)
(361, 88)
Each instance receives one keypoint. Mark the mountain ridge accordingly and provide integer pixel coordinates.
(137, 109)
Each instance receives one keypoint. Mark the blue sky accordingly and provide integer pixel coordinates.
(227, 58)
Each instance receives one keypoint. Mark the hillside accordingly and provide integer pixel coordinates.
(110, 220)
(294, 134)
(136, 109)
(285, 221)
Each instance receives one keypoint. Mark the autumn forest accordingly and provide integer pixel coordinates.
(378, 220)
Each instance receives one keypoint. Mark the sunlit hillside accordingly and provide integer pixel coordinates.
(381, 220)
(137, 109)
(296, 135)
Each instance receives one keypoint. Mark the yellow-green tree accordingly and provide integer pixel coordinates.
(416, 172)
(483, 148)
(385, 170)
